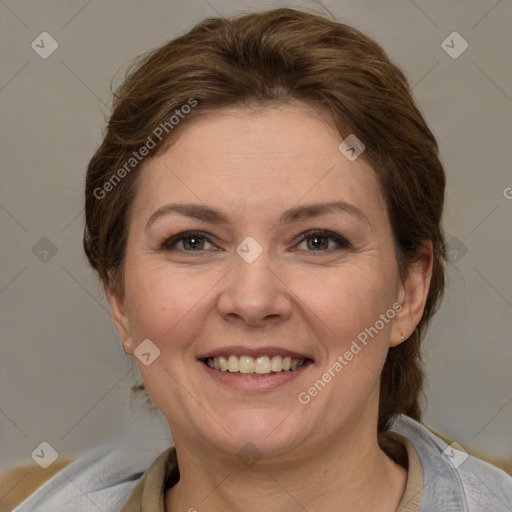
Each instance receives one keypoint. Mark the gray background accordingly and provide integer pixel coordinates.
(63, 376)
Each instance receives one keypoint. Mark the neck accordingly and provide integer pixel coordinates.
(348, 472)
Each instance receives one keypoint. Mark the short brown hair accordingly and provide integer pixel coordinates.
(274, 57)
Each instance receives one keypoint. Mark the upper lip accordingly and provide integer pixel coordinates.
(253, 352)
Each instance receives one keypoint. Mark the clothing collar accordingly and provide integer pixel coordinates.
(148, 494)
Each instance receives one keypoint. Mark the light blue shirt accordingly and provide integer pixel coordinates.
(103, 478)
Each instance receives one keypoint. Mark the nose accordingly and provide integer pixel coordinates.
(255, 294)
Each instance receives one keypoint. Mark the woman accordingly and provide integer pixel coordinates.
(264, 214)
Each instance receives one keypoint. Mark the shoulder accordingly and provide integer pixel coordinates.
(104, 475)
(19, 482)
(486, 486)
(454, 479)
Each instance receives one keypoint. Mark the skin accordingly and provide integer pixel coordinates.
(253, 165)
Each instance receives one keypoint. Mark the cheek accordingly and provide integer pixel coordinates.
(164, 305)
(347, 300)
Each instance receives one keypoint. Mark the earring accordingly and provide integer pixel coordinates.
(126, 345)
(402, 337)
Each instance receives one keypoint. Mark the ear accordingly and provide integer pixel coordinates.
(116, 300)
(412, 295)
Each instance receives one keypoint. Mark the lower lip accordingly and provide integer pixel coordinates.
(255, 383)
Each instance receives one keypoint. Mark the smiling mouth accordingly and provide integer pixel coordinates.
(261, 366)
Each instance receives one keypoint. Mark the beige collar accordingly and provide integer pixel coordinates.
(148, 495)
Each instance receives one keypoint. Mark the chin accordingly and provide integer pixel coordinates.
(258, 433)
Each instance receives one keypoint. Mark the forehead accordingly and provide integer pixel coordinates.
(253, 159)
(267, 136)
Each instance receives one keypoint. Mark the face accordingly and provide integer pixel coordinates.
(248, 267)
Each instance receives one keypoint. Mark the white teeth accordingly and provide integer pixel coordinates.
(246, 364)
(276, 363)
(262, 365)
(233, 364)
(222, 363)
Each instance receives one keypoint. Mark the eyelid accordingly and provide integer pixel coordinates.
(170, 242)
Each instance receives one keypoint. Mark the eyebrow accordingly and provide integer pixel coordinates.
(298, 213)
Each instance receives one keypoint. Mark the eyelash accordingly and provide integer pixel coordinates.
(169, 243)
